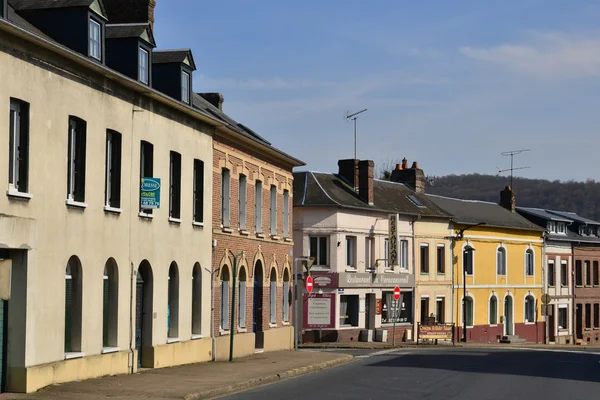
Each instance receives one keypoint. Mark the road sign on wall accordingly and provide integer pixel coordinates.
(309, 284)
(150, 193)
(396, 293)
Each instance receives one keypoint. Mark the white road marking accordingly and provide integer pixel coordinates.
(554, 350)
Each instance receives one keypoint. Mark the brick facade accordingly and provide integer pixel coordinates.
(587, 293)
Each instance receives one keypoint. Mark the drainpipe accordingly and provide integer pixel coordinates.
(545, 289)
(131, 289)
(414, 264)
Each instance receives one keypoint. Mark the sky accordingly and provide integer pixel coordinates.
(450, 84)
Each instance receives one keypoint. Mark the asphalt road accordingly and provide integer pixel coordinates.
(450, 373)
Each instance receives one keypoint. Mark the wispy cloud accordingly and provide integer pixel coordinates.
(545, 55)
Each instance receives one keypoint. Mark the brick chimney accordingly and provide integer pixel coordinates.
(413, 176)
(216, 99)
(348, 169)
(508, 199)
(130, 11)
(366, 173)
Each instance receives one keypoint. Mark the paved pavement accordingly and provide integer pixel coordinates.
(467, 373)
(203, 380)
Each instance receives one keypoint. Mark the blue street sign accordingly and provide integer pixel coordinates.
(150, 193)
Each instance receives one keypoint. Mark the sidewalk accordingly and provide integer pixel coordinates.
(400, 345)
(196, 381)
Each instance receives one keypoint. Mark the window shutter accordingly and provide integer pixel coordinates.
(115, 172)
(273, 306)
(105, 313)
(68, 313)
(242, 305)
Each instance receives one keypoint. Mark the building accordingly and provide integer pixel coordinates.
(252, 215)
(498, 254)
(360, 234)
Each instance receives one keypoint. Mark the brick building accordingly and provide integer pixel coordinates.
(252, 216)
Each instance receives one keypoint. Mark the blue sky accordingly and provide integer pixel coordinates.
(451, 84)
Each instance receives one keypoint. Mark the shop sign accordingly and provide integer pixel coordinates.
(435, 332)
(319, 311)
(367, 280)
(325, 280)
(150, 193)
(393, 240)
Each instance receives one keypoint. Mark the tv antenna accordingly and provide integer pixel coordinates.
(354, 117)
(512, 155)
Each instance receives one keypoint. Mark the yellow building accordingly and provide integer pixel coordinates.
(498, 254)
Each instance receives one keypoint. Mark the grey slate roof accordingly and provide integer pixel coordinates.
(330, 190)
(119, 31)
(575, 217)
(21, 5)
(23, 24)
(470, 212)
(172, 56)
(572, 219)
(545, 214)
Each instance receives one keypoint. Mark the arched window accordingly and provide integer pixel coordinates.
(469, 310)
(73, 306)
(286, 296)
(225, 298)
(529, 309)
(197, 300)
(493, 310)
(173, 302)
(273, 296)
(501, 261)
(529, 262)
(242, 299)
(110, 305)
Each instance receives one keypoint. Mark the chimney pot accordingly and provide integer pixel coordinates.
(415, 165)
(398, 167)
(404, 163)
(413, 177)
(216, 99)
(508, 199)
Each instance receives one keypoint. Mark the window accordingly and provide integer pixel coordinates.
(225, 197)
(370, 253)
(110, 304)
(562, 317)
(441, 259)
(185, 87)
(258, 206)
(551, 273)
(440, 305)
(403, 314)
(501, 261)
(529, 309)
(73, 306)
(349, 310)
(596, 315)
(273, 297)
(173, 302)
(424, 308)
(588, 273)
(175, 185)
(561, 228)
(273, 210)
(224, 322)
(285, 306)
(197, 300)
(588, 316)
(469, 310)
(493, 310)
(113, 170)
(529, 262)
(564, 275)
(386, 254)
(351, 251)
(242, 300)
(286, 214)
(551, 226)
(582, 230)
(578, 273)
(318, 250)
(144, 70)
(146, 165)
(76, 166)
(404, 254)
(468, 261)
(242, 189)
(95, 40)
(198, 191)
(595, 272)
(18, 167)
(424, 258)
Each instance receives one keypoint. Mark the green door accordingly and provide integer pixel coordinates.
(3, 315)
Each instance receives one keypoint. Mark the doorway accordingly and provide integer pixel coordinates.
(3, 341)
(370, 308)
(508, 316)
(143, 313)
(551, 324)
(257, 311)
(579, 321)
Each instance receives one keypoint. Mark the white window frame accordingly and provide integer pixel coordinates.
(286, 213)
(564, 307)
(404, 254)
(370, 253)
(551, 227)
(442, 259)
(225, 198)
(525, 311)
(144, 66)
(561, 228)
(95, 44)
(350, 256)
(472, 322)
(242, 203)
(18, 150)
(527, 252)
(551, 262)
(319, 250)
(565, 264)
(421, 264)
(490, 314)
(186, 80)
(501, 269)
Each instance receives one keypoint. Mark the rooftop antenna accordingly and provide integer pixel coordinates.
(354, 117)
(512, 154)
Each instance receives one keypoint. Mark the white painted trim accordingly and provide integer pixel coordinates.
(12, 192)
(512, 313)
(508, 286)
(534, 308)
(113, 210)
(198, 224)
(462, 260)
(503, 239)
(470, 295)
(173, 340)
(70, 356)
(107, 350)
(175, 220)
(76, 204)
(196, 336)
(502, 246)
(144, 215)
(493, 294)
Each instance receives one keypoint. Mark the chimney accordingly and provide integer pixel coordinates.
(413, 176)
(130, 11)
(366, 173)
(216, 99)
(508, 199)
(348, 169)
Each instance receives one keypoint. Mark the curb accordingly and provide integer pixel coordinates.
(266, 380)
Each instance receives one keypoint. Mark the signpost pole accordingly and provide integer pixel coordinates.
(395, 314)
(296, 304)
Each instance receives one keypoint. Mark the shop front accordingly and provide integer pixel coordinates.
(353, 306)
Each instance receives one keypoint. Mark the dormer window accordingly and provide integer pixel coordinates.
(144, 71)
(582, 230)
(551, 227)
(185, 87)
(95, 40)
(561, 228)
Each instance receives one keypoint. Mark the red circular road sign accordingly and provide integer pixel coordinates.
(396, 293)
(309, 284)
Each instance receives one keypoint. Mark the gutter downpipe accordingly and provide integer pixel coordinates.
(452, 247)
(545, 287)
(414, 263)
